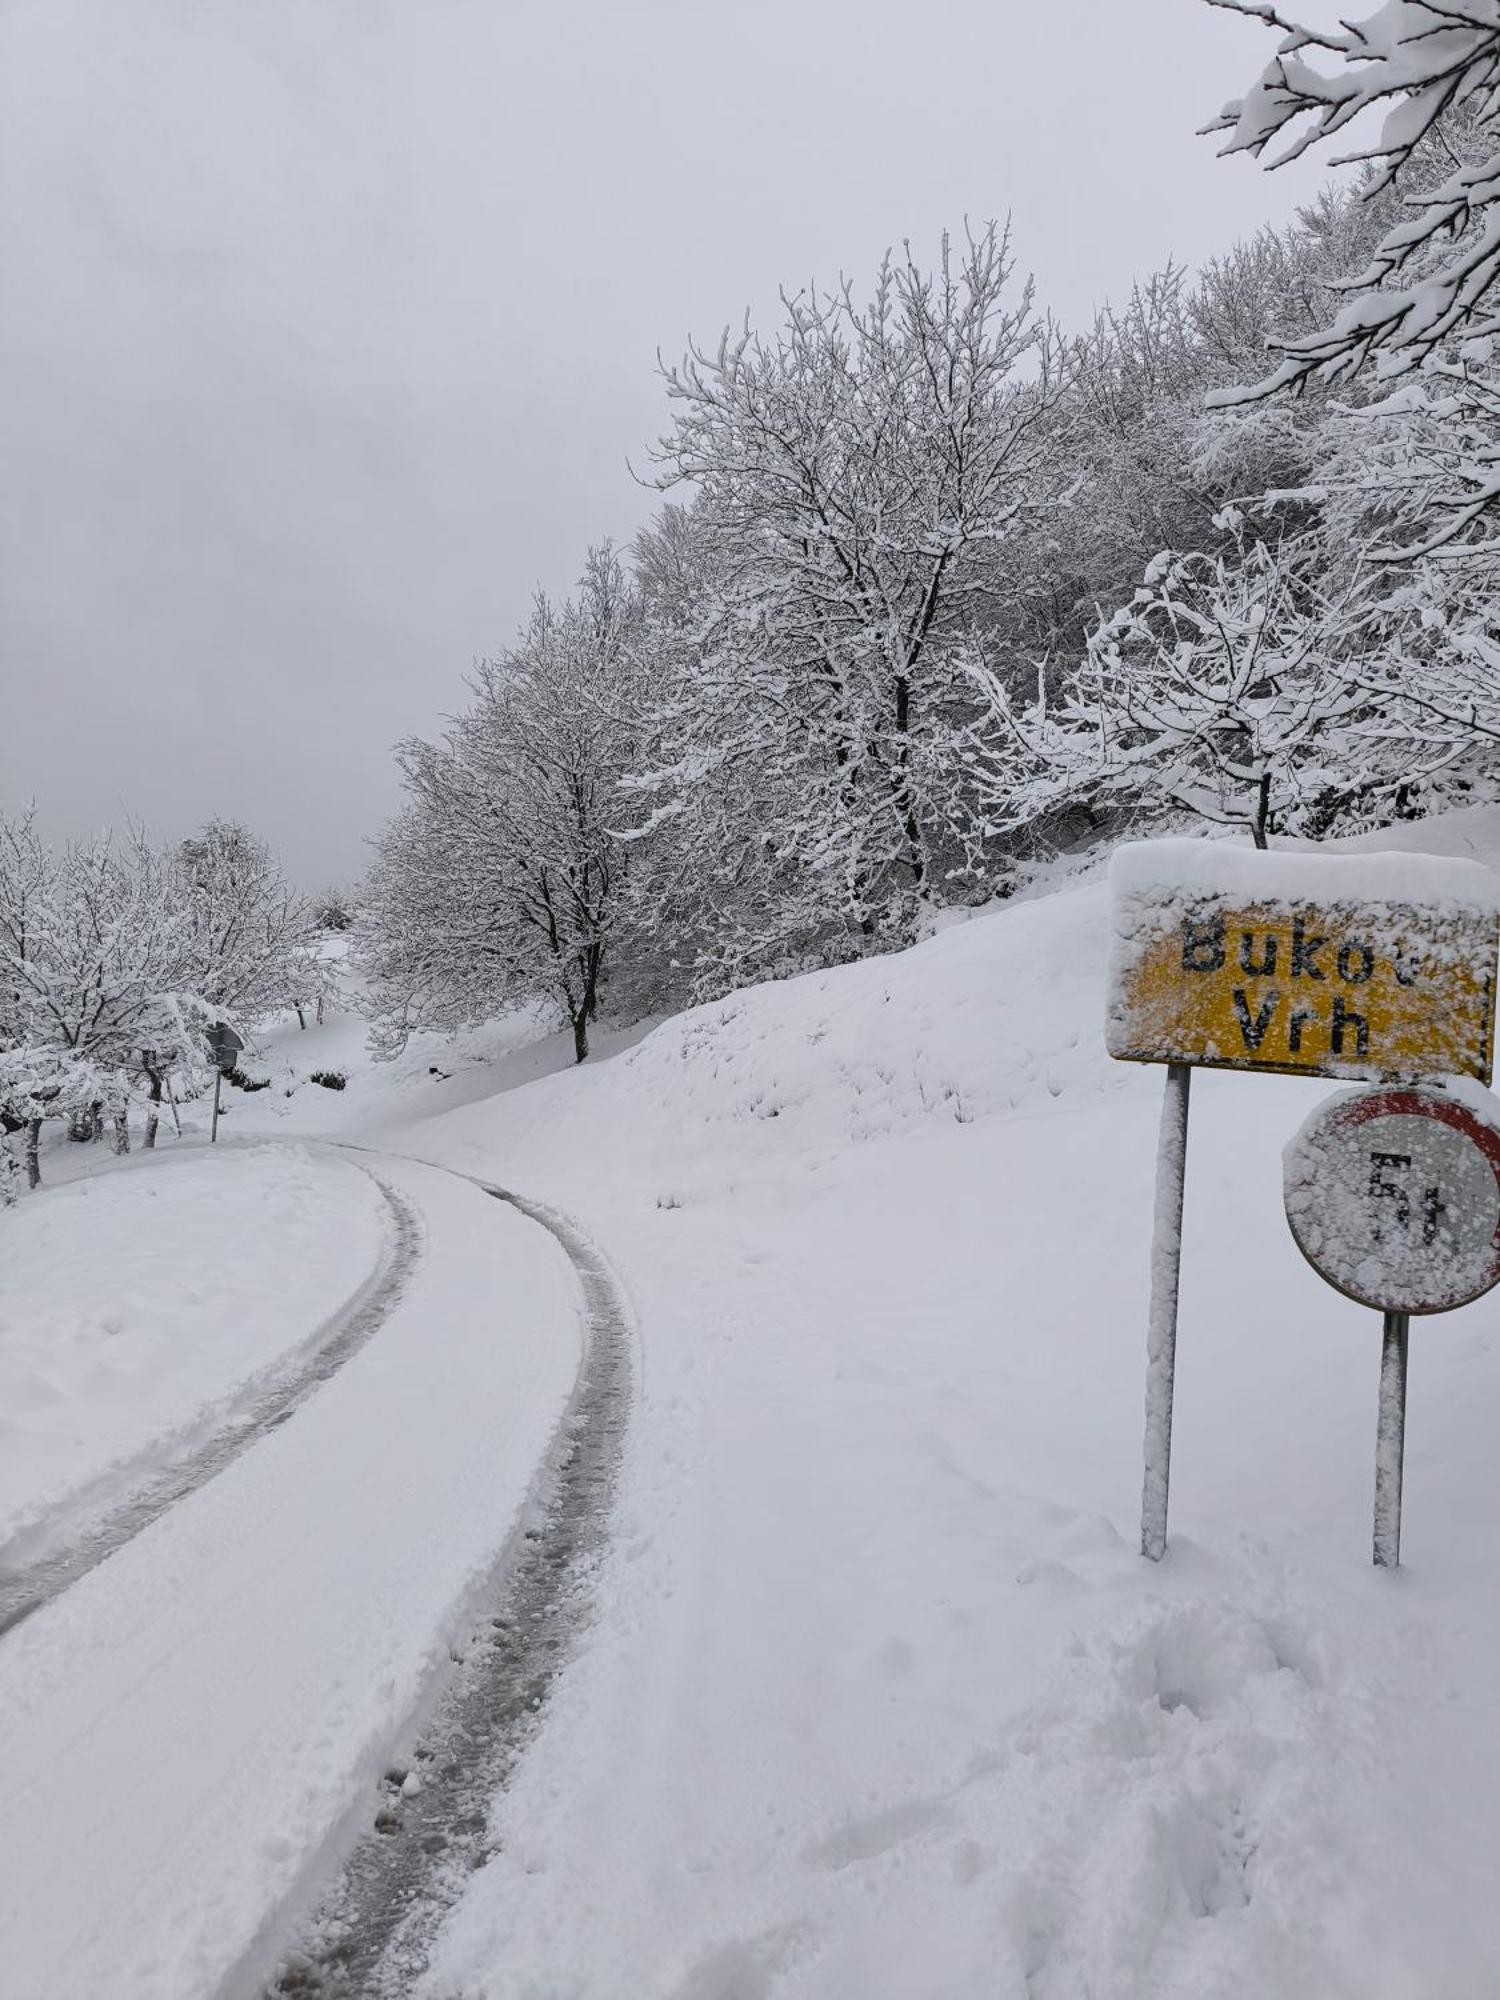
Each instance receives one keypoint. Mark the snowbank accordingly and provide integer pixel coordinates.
(1232, 869)
(137, 1306)
(882, 1701)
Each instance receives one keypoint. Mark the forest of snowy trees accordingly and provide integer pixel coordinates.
(936, 588)
(118, 956)
(941, 587)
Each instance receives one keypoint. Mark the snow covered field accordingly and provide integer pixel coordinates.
(879, 1701)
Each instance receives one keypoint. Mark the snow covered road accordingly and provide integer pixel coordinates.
(153, 1307)
(373, 1930)
(59, 1547)
(191, 1732)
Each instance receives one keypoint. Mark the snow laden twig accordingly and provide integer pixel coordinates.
(1424, 64)
(1227, 688)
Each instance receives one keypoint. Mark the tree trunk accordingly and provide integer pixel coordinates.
(1262, 811)
(33, 1152)
(120, 1139)
(301, 1017)
(152, 1114)
(580, 1035)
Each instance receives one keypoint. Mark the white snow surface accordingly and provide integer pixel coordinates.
(1295, 874)
(877, 1701)
(882, 1703)
(138, 1306)
(191, 1728)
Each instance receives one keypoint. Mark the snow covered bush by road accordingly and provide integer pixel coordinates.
(117, 957)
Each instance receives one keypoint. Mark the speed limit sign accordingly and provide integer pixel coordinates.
(1393, 1196)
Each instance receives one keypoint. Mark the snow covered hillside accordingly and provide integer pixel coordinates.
(882, 1702)
(876, 1699)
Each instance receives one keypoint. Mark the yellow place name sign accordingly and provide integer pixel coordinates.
(1343, 984)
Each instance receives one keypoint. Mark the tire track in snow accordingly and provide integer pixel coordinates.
(276, 1396)
(371, 1934)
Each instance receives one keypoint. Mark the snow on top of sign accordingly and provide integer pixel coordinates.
(1466, 1091)
(1159, 869)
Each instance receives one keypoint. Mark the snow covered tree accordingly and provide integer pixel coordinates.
(94, 958)
(1431, 636)
(1229, 688)
(252, 937)
(1428, 64)
(333, 908)
(502, 882)
(858, 475)
(39, 1082)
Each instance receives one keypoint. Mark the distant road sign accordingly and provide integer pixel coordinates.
(225, 1044)
(1394, 1197)
(1377, 966)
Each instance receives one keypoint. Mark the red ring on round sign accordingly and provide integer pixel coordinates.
(1387, 1102)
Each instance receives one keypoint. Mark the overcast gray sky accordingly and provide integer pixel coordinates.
(328, 325)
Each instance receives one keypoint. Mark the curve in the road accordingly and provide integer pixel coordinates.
(25, 1588)
(372, 1933)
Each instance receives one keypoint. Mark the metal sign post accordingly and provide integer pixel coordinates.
(1393, 1197)
(1390, 1439)
(1161, 1325)
(1364, 966)
(224, 1046)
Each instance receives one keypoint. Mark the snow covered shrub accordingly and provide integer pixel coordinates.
(247, 1083)
(331, 1079)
